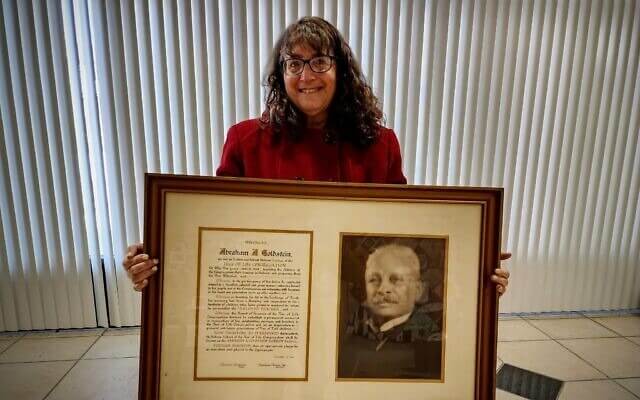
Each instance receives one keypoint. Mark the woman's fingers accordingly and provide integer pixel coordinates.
(502, 273)
(500, 280)
(133, 254)
(133, 249)
(143, 274)
(505, 256)
(142, 265)
(139, 286)
(138, 266)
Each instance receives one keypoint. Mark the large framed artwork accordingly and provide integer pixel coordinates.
(307, 290)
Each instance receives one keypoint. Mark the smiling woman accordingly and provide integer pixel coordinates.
(321, 122)
(310, 89)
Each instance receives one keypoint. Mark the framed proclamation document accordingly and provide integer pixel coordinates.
(306, 290)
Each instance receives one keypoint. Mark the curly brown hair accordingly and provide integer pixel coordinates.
(354, 113)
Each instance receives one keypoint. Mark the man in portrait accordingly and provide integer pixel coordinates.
(390, 335)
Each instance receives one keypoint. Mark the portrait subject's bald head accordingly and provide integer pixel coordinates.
(393, 283)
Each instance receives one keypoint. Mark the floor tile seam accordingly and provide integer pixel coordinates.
(599, 379)
(27, 338)
(572, 352)
(123, 334)
(35, 362)
(597, 337)
(39, 336)
(108, 358)
(628, 338)
(581, 358)
(56, 337)
(566, 338)
(536, 328)
(604, 326)
(10, 346)
(626, 389)
(104, 358)
(81, 332)
(72, 367)
(614, 333)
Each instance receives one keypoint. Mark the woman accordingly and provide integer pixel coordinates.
(322, 122)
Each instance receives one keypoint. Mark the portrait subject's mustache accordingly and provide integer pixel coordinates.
(385, 299)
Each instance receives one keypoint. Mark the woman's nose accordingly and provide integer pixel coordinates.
(306, 73)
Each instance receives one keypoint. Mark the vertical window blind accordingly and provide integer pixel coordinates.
(541, 98)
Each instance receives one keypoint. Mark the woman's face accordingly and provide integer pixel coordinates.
(311, 92)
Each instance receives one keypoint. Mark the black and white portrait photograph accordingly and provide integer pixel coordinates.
(391, 308)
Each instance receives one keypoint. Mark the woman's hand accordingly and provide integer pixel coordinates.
(501, 276)
(138, 266)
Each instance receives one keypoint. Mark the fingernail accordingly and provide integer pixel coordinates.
(145, 257)
(145, 282)
(154, 269)
(155, 261)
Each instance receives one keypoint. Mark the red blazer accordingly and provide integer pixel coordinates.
(249, 151)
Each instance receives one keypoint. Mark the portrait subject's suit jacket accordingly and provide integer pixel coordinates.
(411, 350)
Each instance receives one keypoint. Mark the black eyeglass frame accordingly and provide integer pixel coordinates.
(307, 62)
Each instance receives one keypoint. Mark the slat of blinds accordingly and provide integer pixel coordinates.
(304, 8)
(253, 56)
(214, 66)
(24, 175)
(367, 17)
(450, 51)
(186, 49)
(8, 321)
(378, 48)
(125, 175)
(135, 149)
(575, 124)
(47, 150)
(459, 99)
(592, 162)
(434, 74)
(240, 56)
(85, 237)
(104, 146)
(391, 53)
(479, 135)
(317, 7)
(544, 114)
(75, 289)
(50, 268)
(227, 64)
(146, 104)
(625, 203)
(10, 279)
(160, 89)
(90, 151)
(607, 180)
(412, 105)
(265, 43)
(200, 78)
(171, 58)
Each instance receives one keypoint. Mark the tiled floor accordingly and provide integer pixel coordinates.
(597, 358)
(70, 365)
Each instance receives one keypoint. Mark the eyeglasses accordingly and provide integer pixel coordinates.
(319, 64)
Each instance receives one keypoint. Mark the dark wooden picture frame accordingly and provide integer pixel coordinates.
(157, 186)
